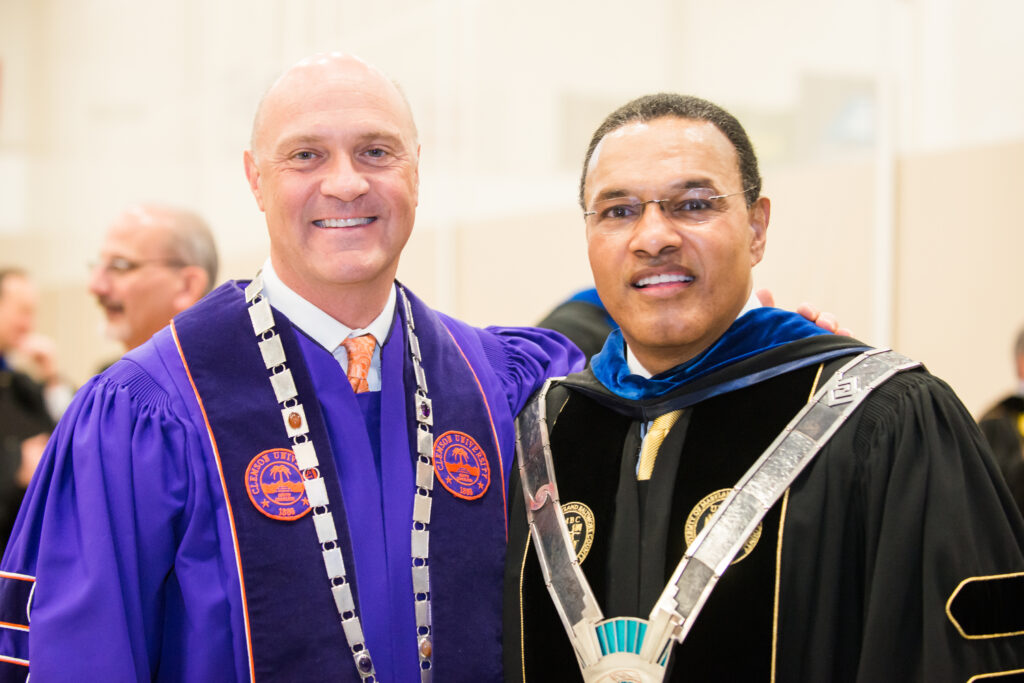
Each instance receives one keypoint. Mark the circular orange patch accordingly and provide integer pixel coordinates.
(461, 465)
(274, 484)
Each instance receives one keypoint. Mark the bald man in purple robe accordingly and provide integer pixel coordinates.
(222, 505)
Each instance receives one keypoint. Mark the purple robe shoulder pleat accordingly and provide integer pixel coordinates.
(138, 552)
(124, 541)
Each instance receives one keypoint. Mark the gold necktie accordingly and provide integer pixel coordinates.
(360, 352)
(652, 442)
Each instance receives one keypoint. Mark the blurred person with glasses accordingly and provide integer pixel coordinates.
(155, 262)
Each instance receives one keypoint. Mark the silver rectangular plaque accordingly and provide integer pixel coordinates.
(420, 543)
(422, 611)
(424, 445)
(262, 317)
(273, 351)
(284, 385)
(334, 563)
(353, 631)
(325, 531)
(414, 343)
(343, 598)
(421, 508)
(421, 377)
(424, 476)
(420, 580)
(253, 288)
(305, 455)
(316, 492)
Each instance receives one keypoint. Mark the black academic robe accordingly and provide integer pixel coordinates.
(584, 323)
(876, 565)
(23, 414)
(1002, 427)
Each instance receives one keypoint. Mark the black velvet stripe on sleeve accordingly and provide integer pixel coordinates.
(989, 606)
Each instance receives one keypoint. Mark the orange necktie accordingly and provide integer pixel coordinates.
(360, 351)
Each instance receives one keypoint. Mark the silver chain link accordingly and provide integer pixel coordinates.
(316, 491)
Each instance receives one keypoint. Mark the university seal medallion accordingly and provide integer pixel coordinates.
(274, 484)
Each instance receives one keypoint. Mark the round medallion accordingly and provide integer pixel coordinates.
(275, 487)
(580, 520)
(461, 465)
(704, 510)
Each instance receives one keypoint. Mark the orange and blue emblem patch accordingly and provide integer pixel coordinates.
(275, 487)
(461, 465)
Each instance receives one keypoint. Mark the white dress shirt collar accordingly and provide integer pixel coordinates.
(324, 329)
(635, 368)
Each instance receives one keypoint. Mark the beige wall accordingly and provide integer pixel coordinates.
(957, 248)
(107, 102)
(960, 276)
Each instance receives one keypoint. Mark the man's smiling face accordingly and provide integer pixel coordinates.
(673, 276)
(334, 167)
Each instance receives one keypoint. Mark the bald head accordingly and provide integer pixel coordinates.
(319, 71)
(334, 167)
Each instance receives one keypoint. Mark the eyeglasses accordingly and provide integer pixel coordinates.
(118, 265)
(691, 206)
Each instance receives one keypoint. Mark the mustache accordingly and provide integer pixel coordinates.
(109, 302)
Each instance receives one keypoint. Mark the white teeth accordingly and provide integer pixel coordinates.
(342, 223)
(659, 279)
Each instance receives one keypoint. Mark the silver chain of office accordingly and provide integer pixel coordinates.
(316, 491)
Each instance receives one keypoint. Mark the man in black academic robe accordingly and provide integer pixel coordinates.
(895, 556)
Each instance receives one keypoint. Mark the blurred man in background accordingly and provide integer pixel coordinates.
(1003, 426)
(155, 262)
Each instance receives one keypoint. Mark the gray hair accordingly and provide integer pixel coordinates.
(187, 237)
(191, 242)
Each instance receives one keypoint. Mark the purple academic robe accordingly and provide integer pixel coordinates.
(129, 558)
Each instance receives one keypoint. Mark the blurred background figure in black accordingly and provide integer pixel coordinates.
(583, 319)
(1003, 426)
(32, 395)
